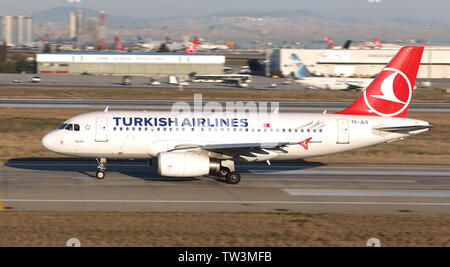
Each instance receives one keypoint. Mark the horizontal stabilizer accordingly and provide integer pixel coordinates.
(404, 129)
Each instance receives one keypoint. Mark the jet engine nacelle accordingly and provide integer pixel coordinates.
(185, 164)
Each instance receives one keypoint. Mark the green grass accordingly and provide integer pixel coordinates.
(27, 124)
(423, 95)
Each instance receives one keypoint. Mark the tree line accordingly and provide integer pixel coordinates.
(14, 63)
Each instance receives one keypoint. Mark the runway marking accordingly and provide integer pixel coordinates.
(254, 168)
(133, 178)
(367, 192)
(72, 164)
(225, 202)
(363, 173)
(257, 179)
(380, 166)
(328, 180)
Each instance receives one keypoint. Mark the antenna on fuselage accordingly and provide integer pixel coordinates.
(107, 108)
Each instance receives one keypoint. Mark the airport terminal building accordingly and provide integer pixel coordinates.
(435, 62)
(129, 63)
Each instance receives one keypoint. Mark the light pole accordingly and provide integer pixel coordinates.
(429, 27)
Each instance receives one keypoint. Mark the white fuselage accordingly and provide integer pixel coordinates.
(139, 135)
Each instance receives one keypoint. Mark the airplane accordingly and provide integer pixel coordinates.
(192, 47)
(146, 45)
(45, 40)
(332, 44)
(183, 145)
(377, 43)
(211, 46)
(301, 72)
(335, 83)
(329, 83)
(118, 44)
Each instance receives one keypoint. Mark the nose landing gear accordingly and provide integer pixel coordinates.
(100, 174)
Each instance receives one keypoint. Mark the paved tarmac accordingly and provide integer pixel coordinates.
(98, 81)
(283, 187)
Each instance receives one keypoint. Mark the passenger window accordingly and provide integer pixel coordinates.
(76, 127)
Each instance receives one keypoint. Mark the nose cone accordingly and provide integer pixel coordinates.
(49, 142)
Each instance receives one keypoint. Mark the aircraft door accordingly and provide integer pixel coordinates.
(343, 132)
(101, 130)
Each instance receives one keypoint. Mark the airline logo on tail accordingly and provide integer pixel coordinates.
(192, 46)
(393, 87)
(390, 93)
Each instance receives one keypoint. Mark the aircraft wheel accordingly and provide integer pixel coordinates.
(223, 172)
(100, 175)
(233, 178)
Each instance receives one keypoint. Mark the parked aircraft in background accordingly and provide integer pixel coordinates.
(307, 79)
(335, 83)
(118, 44)
(192, 47)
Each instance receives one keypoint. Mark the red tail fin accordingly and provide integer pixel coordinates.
(119, 46)
(330, 42)
(45, 40)
(363, 46)
(377, 43)
(192, 46)
(390, 93)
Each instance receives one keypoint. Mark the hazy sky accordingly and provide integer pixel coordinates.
(378, 9)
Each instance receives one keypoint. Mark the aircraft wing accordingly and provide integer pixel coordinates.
(232, 150)
(216, 147)
(354, 86)
(225, 147)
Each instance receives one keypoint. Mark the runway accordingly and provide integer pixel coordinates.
(282, 187)
(167, 105)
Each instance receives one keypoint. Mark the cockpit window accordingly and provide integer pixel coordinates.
(70, 127)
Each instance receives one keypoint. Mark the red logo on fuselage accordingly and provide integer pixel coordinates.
(304, 143)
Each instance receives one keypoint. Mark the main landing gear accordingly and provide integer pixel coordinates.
(227, 171)
(100, 174)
